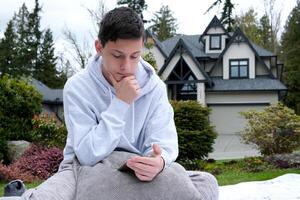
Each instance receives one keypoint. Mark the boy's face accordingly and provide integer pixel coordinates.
(120, 58)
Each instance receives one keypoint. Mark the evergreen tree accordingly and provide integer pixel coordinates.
(227, 15)
(23, 51)
(291, 52)
(164, 23)
(137, 5)
(47, 73)
(34, 39)
(8, 51)
(249, 24)
(265, 32)
(26, 51)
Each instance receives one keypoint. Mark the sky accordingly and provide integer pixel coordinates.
(58, 14)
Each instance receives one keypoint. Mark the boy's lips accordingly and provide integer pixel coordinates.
(124, 75)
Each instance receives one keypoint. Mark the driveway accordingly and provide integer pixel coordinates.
(230, 146)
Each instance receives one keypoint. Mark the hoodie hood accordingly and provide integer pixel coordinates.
(145, 75)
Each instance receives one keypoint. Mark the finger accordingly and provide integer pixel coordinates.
(136, 87)
(131, 78)
(142, 177)
(156, 150)
(144, 160)
(140, 166)
(113, 80)
(142, 172)
(134, 82)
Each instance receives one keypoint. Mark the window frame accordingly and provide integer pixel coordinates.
(210, 41)
(239, 68)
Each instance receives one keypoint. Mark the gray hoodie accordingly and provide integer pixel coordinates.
(99, 123)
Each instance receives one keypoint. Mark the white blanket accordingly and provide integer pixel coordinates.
(285, 187)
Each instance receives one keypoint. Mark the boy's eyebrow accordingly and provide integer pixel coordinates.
(123, 53)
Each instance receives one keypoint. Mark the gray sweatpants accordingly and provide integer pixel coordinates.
(62, 185)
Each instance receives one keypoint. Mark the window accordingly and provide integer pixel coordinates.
(189, 88)
(215, 42)
(239, 68)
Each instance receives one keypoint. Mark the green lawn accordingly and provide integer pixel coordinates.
(233, 177)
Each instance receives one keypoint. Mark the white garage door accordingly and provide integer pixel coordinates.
(227, 118)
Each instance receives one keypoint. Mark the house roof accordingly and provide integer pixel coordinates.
(197, 48)
(49, 95)
(182, 44)
(215, 22)
(158, 43)
(261, 51)
(262, 83)
(192, 42)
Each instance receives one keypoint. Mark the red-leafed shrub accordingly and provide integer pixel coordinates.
(36, 163)
(10, 172)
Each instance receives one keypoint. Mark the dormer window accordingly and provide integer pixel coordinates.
(215, 42)
(239, 68)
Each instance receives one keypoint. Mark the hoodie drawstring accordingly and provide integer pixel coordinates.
(132, 123)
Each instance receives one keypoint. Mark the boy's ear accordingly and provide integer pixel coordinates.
(98, 46)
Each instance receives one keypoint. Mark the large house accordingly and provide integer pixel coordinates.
(224, 71)
(52, 100)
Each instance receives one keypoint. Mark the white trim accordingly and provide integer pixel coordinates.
(187, 58)
(201, 93)
(170, 67)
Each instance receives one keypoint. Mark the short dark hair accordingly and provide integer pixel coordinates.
(120, 23)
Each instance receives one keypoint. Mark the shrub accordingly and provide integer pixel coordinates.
(48, 131)
(36, 163)
(149, 57)
(285, 160)
(195, 144)
(3, 149)
(192, 164)
(19, 102)
(255, 164)
(195, 134)
(275, 130)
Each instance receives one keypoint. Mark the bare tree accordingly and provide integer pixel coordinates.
(274, 17)
(98, 14)
(80, 53)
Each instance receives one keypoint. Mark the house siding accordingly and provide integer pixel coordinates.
(223, 39)
(239, 51)
(208, 65)
(261, 70)
(242, 97)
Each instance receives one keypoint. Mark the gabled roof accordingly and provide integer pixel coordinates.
(195, 47)
(180, 46)
(158, 43)
(260, 83)
(239, 37)
(215, 22)
(261, 51)
(49, 95)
